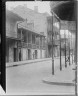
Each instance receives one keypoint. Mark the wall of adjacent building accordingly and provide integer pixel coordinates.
(11, 30)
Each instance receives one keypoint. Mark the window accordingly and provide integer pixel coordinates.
(33, 38)
(37, 40)
(29, 37)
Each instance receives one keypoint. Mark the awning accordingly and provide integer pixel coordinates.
(65, 10)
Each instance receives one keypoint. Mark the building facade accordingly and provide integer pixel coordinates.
(56, 32)
(11, 36)
(22, 42)
(32, 45)
(68, 34)
(33, 16)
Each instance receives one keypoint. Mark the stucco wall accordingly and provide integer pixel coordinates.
(24, 53)
(38, 54)
(11, 54)
(43, 53)
(11, 29)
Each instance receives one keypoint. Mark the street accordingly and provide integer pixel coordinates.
(27, 79)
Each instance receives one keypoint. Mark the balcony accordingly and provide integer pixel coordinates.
(29, 45)
(55, 42)
(33, 46)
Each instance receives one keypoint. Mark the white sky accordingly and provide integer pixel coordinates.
(43, 6)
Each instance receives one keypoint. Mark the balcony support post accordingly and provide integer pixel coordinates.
(65, 48)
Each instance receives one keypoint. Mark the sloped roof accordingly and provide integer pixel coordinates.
(11, 15)
(29, 11)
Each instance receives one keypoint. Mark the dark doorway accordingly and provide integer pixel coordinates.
(35, 54)
(29, 54)
(19, 54)
(15, 54)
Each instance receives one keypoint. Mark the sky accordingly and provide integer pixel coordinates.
(43, 6)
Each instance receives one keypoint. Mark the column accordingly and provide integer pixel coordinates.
(69, 47)
(21, 47)
(27, 37)
(76, 44)
(65, 48)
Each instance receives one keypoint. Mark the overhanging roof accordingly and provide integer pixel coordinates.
(65, 10)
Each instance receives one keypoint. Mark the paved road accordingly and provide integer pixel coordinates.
(27, 79)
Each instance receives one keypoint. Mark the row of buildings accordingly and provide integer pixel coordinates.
(29, 34)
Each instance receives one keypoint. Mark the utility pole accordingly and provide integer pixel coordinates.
(52, 47)
(59, 36)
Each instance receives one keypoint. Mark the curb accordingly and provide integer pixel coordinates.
(59, 83)
(15, 64)
(23, 63)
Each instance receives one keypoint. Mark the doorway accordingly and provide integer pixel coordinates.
(19, 54)
(29, 54)
(15, 54)
(35, 54)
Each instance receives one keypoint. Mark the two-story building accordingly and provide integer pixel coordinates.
(22, 42)
(34, 16)
(32, 45)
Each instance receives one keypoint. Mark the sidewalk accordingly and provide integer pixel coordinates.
(62, 78)
(28, 61)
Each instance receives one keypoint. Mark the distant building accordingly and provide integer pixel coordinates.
(56, 32)
(67, 22)
(22, 42)
(70, 36)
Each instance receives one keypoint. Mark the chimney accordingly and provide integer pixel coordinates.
(36, 8)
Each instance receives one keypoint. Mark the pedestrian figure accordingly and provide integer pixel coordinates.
(67, 59)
